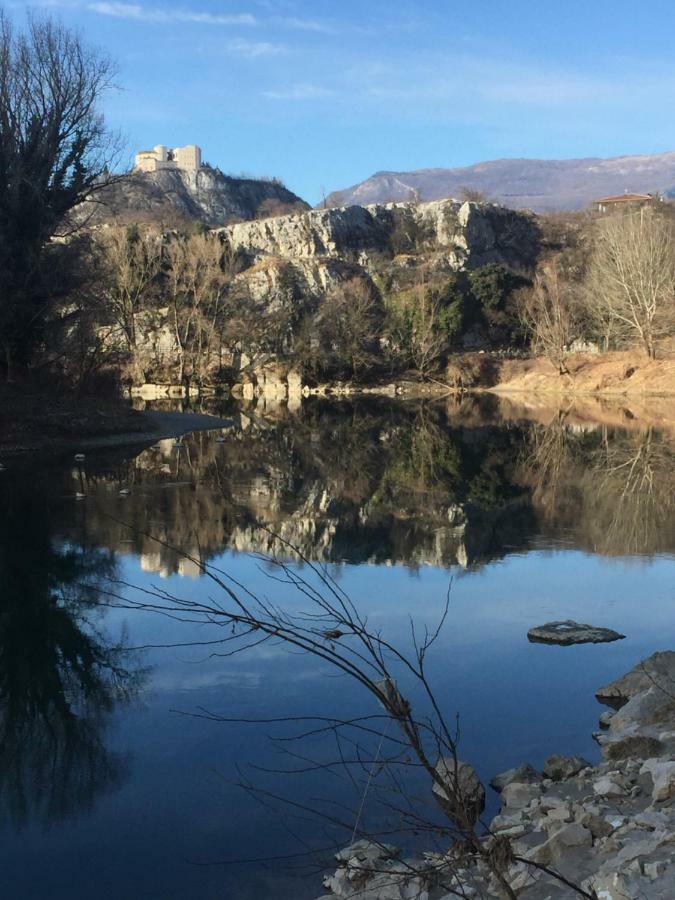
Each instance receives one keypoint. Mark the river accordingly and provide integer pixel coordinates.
(119, 777)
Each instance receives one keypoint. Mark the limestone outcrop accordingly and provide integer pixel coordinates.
(294, 280)
(466, 234)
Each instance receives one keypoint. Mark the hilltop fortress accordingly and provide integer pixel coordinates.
(188, 159)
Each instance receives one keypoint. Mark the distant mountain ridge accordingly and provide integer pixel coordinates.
(542, 185)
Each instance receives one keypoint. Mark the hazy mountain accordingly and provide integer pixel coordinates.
(537, 184)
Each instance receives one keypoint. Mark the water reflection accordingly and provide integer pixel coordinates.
(611, 490)
(434, 485)
(59, 677)
(438, 484)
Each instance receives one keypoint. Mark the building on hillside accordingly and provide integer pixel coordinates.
(623, 201)
(188, 158)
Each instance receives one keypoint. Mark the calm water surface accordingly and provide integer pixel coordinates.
(114, 783)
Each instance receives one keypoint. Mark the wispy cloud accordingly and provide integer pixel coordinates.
(164, 15)
(464, 84)
(255, 49)
(299, 92)
(306, 24)
(467, 89)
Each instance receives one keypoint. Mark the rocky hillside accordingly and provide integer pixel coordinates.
(176, 197)
(479, 233)
(324, 245)
(364, 271)
(538, 184)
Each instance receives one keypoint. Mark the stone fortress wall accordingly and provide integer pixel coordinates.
(188, 158)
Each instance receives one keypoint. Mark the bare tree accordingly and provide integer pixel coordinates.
(131, 264)
(472, 195)
(630, 287)
(547, 314)
(341, 338)
(428, 337)
(196, 278)
(54, 151)
(423, 321)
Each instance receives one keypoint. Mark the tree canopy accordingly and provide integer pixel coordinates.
(54, 151)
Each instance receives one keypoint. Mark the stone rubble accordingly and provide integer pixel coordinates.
(608, 828)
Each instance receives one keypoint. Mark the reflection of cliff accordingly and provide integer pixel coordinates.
(364, 482)
(59, 678)
(380, 483)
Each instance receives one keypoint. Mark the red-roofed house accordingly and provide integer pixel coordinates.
(606, 204)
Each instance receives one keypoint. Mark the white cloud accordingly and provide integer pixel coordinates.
(163, 15)
(299, 92)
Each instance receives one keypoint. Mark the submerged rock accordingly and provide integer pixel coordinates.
(570, 632)
(367, 850)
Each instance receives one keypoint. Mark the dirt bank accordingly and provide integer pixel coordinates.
(619, 374)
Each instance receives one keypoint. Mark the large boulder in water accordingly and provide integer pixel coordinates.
(570, 632)
(560, 768)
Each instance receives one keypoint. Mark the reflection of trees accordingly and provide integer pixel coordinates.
(550, 465)
(350, 481)
(59, 678)
(612, 490)
(632, 490)
(409, 483)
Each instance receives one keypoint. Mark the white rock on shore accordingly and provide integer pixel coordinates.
(608, 828)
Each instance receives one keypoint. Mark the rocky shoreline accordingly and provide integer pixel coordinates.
(605, 831)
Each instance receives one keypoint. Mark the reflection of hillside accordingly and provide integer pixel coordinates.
(338, 482)
(388, 484)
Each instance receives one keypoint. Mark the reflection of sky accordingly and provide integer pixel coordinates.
(516, 701)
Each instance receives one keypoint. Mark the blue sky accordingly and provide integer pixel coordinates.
(323, 94)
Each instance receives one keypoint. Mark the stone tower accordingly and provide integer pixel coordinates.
(188, 158)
